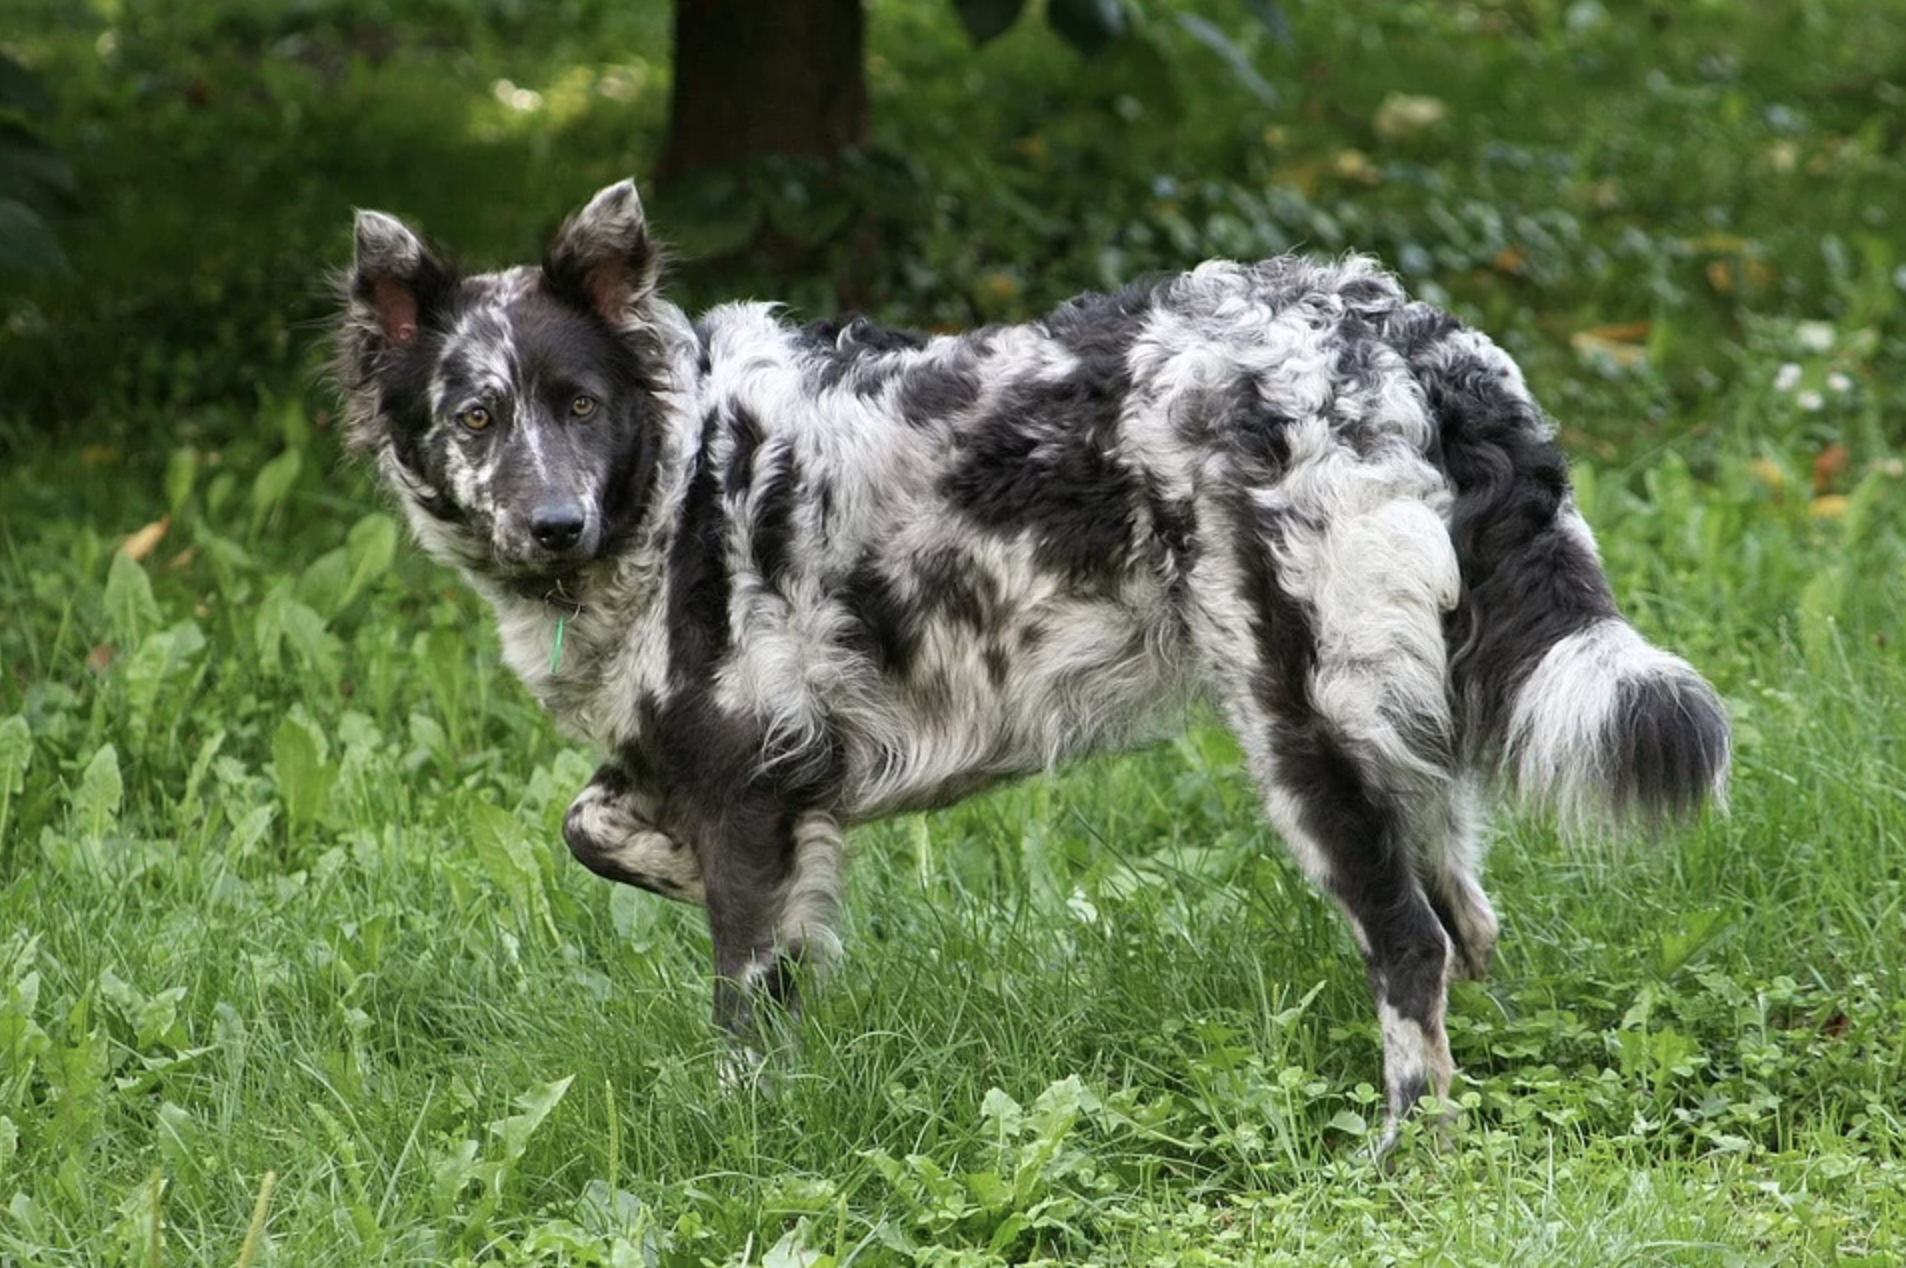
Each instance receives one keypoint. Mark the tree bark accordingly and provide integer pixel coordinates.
(764, 78)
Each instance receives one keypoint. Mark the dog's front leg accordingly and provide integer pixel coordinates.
(611, 830)
(774, 894)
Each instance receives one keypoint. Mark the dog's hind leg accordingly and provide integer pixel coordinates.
(1324, 638)
(610, 828)
(1351, 832)
(1449, 859)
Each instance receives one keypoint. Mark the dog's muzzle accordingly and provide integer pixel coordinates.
(558, 526)
(554, 535)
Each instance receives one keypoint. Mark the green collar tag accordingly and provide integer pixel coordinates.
(556, 652)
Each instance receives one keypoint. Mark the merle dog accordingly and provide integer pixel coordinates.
(791, 578)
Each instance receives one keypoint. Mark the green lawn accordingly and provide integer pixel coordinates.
(296, 970)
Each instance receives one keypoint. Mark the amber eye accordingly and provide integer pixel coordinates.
(476, 418)
(582, 407)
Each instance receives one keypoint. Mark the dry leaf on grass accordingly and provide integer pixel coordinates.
(142, 543)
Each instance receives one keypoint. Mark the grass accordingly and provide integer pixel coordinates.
(294, 969)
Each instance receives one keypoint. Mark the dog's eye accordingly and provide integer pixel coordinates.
(476, 418)
(582, 407)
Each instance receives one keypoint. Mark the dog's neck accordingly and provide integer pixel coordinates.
(568, 649)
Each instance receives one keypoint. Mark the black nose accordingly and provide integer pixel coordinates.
(557, 525)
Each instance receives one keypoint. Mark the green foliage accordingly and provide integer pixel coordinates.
(282, 891)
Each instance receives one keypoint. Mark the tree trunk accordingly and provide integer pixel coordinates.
(761, 78)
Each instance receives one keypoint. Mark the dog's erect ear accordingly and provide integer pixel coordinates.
(394, 278)
(393, 290)
(604, 258)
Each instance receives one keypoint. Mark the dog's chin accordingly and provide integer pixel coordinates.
(558, 587)
(541, 576)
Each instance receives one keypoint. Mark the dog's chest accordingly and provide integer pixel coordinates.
(591, 670)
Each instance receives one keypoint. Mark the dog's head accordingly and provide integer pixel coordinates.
(514, 413)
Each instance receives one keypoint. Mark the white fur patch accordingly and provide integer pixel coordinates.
(620, 828)
(1413, 1056)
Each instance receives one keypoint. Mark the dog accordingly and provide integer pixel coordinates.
(791, 578)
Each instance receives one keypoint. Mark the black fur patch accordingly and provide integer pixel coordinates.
(1669, 741)
(856, 336)
(1527, 583)
(1286, 647)
(1237, 416)
(999, 665)
(1102, 327)
(857, 351)
(936, 392)
(1367, 292)
(886, 628)
(771, 533)
(628, 492)
(704, 356)
(1041, 459)
(698, 578)
(744, 432)
(1357, 371)
(1041, 462)
(1175, 530)
(950, 585)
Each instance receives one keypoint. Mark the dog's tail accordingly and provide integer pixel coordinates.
(1555, 693)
